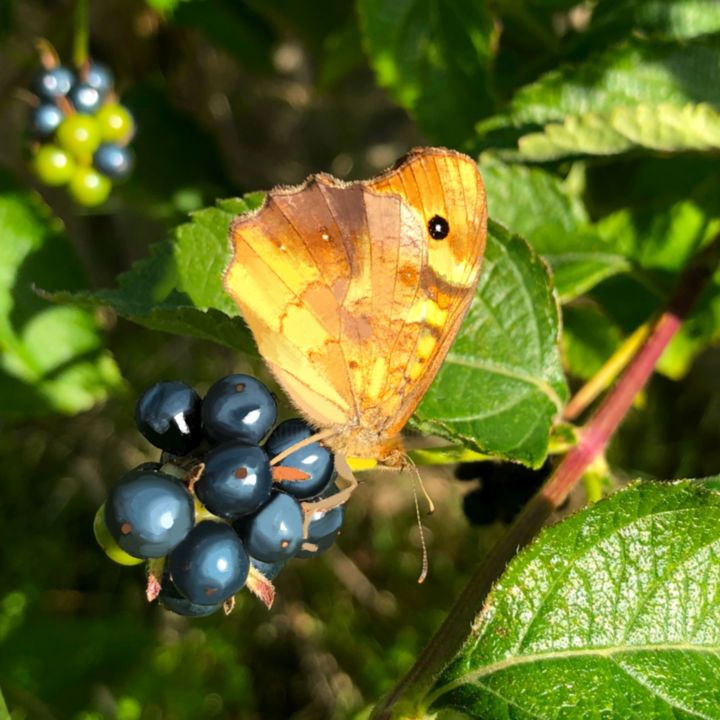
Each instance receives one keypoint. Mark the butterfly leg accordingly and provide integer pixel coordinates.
(347, 482)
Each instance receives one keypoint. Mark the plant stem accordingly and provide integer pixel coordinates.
(447, 641)
(81, 41)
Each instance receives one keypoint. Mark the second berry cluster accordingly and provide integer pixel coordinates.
(81, 131)
(217, 512)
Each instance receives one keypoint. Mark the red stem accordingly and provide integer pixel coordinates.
(450, 637)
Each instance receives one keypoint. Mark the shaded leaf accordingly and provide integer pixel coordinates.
(501, 387)
(433, 57)
(52, 358)
(612, 610)
(538, 205)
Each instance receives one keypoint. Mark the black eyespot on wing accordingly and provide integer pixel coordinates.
(438, 227)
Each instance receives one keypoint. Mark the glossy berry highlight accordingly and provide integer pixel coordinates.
(210, 564)
(236, 480)
(148, 513)
(238, 407)
(168, 414)
(315, 460)
(275, 532)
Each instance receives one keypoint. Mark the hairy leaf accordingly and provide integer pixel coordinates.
(538, 205)
(613, 611)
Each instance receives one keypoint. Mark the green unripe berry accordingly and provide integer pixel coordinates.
(116, 123)
(53, 165)
(107, 542)
(79, 135)
(88, 187)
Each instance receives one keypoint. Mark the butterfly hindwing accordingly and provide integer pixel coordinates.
(351, 302)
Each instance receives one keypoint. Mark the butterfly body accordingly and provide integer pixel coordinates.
(354, 292)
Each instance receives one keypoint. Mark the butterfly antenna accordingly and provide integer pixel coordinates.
(418, 479)
(319, 436)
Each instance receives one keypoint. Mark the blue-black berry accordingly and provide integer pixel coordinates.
(314, 459)
(85, 99)
(113, 160)
(238, 407)
(53, 83)
(210, 565)
(275, 532)
(168, 415)
(172, 599)
(236, 480)
(99, 77)
(45, 120)
(323, 528)
(148, 513)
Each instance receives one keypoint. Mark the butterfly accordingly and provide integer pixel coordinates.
(355, 291)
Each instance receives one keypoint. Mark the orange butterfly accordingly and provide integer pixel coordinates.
(354, 292)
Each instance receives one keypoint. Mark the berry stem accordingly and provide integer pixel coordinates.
(81, 41)
(408, 694)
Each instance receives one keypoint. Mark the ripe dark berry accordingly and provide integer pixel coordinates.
(85, 99)
(46, 120)
(172, 600)
(236, 480)
(113, 160)
(148, 513)
(168, 415)
(323, 528)
(210, 565)
(275, 532)
(53, 83)
(313, 459)
(99, 77)
(238, 407)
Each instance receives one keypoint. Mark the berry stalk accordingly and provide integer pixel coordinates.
(81, 41)
(448, 640)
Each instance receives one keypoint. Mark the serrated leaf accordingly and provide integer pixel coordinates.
(501, 387)
(433, 57)
(178, 289)
(612, 613)
(663, 127)
(639, 93)
(538, 205)
(52, 359)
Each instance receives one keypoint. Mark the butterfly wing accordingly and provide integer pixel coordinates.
(351, 302)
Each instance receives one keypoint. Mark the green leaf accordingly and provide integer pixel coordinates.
(433, 57)
(501, 387)
(663, 127)
(660, 19)
(542, 208)
(52, 358)
(612, 613)
(640, 93)
(178, 289)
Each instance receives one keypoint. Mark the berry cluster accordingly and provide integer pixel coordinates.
(81, 132)
(222, 508)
